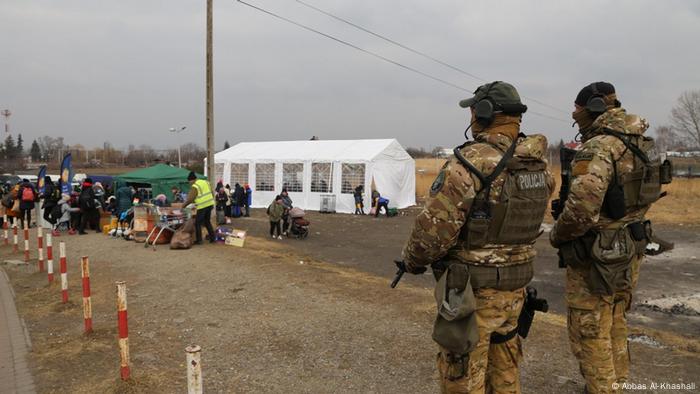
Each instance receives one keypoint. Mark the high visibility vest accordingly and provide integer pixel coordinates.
(204, 196)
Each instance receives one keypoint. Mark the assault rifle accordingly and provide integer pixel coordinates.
(566, 156)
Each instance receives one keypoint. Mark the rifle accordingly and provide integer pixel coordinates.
(402, 270)
(566, 156)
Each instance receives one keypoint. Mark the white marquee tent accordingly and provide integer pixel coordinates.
(311, 169)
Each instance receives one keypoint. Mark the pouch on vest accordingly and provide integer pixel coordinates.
(577, 253)
(455, 326)
(612, 252)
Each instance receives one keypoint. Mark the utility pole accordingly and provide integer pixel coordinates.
(210, 97)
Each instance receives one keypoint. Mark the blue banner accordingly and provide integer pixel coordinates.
(66, 175)
(40, 183)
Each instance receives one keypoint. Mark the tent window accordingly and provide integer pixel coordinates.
(265, 177)
(239, 174)
(321, 177)
(218, 171)
(293, 177)
(353, 176)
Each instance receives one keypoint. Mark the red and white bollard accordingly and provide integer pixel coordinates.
(123, 331)
(87, 304)
(15, 240)
(194, 369)
(26, 241)
(49, 257)
(40, 247)
(5, 226)
(64, 273)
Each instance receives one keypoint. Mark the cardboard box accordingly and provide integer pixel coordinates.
(236, 238)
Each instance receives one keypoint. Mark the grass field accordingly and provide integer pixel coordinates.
(680, 206)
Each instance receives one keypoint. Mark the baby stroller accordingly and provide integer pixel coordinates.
(299, 226)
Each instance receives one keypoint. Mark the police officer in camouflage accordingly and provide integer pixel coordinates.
(601, 232)
(477, 231)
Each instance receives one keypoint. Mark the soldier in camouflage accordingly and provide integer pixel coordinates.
(477, 231)
(602, 232)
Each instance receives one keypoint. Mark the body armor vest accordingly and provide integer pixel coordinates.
(642, 186)
(518, 211)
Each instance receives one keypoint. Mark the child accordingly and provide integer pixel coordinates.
(63, 222)
(275, 212)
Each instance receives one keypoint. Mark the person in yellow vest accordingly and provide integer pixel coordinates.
(200, 194)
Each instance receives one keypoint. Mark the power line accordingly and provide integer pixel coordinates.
(417, 52)
(378, 56)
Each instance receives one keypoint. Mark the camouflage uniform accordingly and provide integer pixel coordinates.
(436, 235)
(596, 322)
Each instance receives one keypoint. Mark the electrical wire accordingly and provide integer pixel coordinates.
(374, 54)
(417, 52)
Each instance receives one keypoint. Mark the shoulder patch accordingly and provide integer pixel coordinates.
(583, 156)
(438, 183)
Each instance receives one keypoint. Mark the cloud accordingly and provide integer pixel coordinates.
(126, 71)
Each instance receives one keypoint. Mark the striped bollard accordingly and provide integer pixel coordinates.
(124, 370)
(26, 241)
(194, 369)
(5, 226)
(49, 256)
(15, 239)
(64, 273)
(40, 247)
(87, 304)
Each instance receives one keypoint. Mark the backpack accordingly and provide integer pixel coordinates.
(27, 194)
(7, 200)
(86, 201)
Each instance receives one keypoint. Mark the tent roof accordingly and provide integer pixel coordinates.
(158, 172)
(319, 150)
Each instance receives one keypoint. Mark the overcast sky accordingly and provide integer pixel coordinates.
(126, 71)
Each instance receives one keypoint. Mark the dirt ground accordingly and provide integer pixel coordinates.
(312, 316)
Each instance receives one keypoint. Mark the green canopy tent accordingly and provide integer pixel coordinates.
(160, 177)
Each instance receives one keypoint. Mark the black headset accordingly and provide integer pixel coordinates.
(596, 103)
(486, 108)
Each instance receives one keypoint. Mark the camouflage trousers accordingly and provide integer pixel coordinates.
(597, 326)
(489, 368)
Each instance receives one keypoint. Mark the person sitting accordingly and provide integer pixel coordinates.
(177, 195)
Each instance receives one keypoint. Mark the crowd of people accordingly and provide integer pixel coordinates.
(73, 212)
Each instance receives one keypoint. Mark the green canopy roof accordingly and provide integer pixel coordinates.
(161, 177)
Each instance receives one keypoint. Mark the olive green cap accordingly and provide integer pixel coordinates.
(502, 93)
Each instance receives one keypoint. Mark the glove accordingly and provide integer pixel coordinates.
(556, 243)
(415, 269)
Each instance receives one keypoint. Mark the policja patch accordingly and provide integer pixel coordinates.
(438, 183)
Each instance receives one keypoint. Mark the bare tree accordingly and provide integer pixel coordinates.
(685, 120)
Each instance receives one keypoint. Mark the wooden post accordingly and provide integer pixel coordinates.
(5, 226)
(210, 96)
(194, 369)
(49, 256)
(64, 271)
(40, 247)
(15, 240)
(26, 241)
(124, 370)
(87, 304)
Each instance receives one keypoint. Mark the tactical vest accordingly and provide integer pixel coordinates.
(642, 186)
(516, 216)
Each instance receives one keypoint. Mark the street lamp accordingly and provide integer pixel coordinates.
(178, 130)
